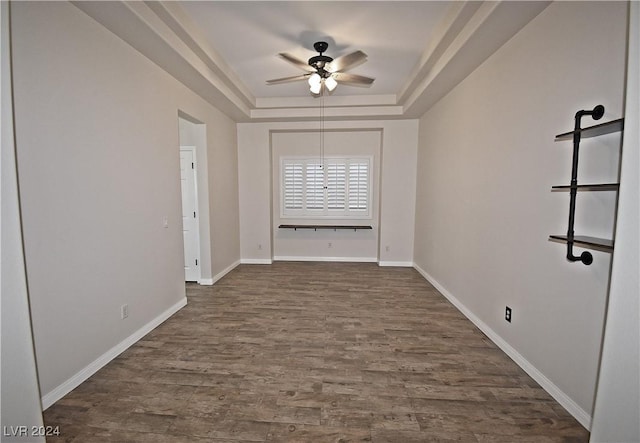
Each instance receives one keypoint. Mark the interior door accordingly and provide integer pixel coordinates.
(189, 214)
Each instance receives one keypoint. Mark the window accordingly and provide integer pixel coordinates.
(340, 189)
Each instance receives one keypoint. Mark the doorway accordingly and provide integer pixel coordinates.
(195, 199)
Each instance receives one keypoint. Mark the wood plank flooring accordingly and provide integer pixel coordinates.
(313, 352)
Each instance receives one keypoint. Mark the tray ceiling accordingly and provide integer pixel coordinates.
(226, 50)
(249, 35)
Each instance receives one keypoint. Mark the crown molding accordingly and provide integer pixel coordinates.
(330, 113)
(329, 101)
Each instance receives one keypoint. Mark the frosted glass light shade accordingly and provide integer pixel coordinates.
(314, 79)
(331, 83)
(315, 88)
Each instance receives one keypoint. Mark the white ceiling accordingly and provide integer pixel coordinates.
(225, 51)
(249, 35)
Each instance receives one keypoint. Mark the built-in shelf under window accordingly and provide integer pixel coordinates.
(316, 227)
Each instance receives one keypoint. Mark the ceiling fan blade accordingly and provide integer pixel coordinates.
(295, 78)
(353, 79)
(347, 62)
(297, 62)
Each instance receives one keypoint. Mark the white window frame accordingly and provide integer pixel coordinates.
(325, 212)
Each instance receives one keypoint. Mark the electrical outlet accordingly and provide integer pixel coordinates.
(507, 314)
(124, 311)
(330, 244)
(259, 247)
(387, 248)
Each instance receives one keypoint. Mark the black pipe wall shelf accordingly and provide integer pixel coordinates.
(594, 131)
(576, 135)
(599, 244)
(598, 187)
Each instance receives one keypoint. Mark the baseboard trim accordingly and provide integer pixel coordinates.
(334, 259)
(403, 264)
(205, 281)
(571, 406)
(224, 272)
(256, 261)
(63, 389)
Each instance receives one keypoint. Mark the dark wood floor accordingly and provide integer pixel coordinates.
(317, 352)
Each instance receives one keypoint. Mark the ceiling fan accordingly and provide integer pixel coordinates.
(322, 70)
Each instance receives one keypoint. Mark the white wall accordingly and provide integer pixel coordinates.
(98, 157)
(486, 162)
(397, 192)
(616, 416)
(20, 404)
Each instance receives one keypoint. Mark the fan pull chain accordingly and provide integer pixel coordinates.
(322, 127)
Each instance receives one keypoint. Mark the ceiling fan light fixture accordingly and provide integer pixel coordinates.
(322, 70)
(315, 88)
(331, 83)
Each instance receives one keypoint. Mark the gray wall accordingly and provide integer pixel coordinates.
(313, 245)
(616, 416)
(20, 393)
(397, 187)
(98, 152)
(486, 162)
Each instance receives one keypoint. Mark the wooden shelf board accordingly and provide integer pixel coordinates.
(591, 187)
(600, 244)
(596, 130)
(316, 227)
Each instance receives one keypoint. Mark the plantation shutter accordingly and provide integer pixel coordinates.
(315, 187)
(336, 186)
(293, 186)
(358, 186)
(340, 189)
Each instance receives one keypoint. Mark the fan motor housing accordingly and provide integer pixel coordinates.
(320, 61)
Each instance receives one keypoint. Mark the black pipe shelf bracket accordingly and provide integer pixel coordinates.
(576, 135)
